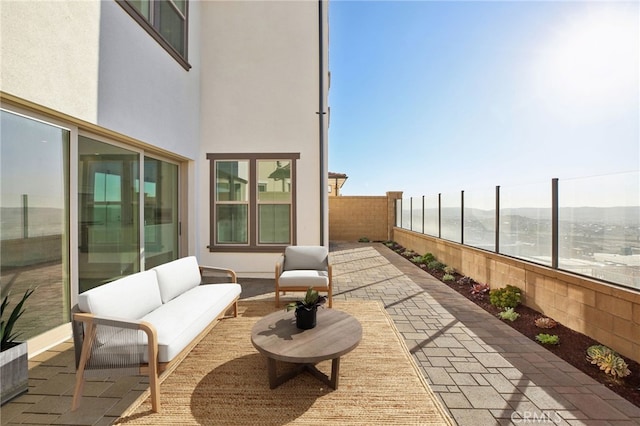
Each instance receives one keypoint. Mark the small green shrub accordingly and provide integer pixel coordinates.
(389, 243)
(548, 339)
(428, 257)
(509, 314)
(448, 278)
(507, 297)
(450, 270)
(608, 361)
(408, 253)
(363, 240)
(435, 265)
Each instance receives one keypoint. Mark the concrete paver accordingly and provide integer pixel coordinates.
(483, 371)
(496, 375)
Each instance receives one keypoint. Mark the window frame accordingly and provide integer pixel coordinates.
(253, 245)
(152, 27)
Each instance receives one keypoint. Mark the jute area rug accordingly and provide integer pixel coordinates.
(223, 381)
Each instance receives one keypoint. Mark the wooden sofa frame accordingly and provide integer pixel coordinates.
(153, 370)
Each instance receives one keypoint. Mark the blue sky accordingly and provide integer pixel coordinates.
(435, 97)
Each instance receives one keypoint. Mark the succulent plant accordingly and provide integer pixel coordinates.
(449, 270)
(465, 281)
(608, 361)
(544, 322)
(509, 314)
(548, 339)
(448, 278)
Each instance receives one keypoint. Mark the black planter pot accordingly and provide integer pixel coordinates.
(306, 318)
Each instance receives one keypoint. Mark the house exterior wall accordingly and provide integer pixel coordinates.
(260, 94)
(608, 314)
(258, 83)
(93, 62)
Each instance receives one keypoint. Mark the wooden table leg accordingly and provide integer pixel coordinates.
(335, 372)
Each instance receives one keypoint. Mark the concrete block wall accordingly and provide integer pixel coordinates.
(354, 217)
(606, 313)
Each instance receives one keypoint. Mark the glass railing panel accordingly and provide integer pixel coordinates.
(451, 221)
(430, 219)
(525, 222)
(599, 227)
(416, 214)
(398, 213)
(406, 213)
(480, 219)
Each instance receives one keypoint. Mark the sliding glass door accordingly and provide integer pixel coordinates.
(109, 213)
(160, 212)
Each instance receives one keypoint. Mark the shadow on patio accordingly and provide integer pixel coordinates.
(482, 370)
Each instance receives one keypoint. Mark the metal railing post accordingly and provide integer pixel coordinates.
(497, 219)
(462, 217)
(554, 223)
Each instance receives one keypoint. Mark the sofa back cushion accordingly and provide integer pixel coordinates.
(131, 297)
(306, 257)
(178, 276)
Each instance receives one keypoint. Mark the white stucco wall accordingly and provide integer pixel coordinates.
(260, 94)
(49, 54)
(92, 61)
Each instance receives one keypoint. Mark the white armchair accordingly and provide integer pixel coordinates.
(301, 267)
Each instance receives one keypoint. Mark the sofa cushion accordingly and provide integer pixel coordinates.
(305, 257)
(131, 297)
(178, 276)
(303, 278)
(179, 321)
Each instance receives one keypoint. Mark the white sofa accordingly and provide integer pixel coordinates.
(156, 315)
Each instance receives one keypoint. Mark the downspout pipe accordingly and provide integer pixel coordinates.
(321, 112)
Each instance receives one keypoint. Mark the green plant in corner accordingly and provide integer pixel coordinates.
(509, 314)
(363, 240)
(506, 297)
(548, 339)
(311, 300)
(7, 335)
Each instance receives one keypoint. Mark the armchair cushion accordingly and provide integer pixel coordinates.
(304, 278)
(305, 257)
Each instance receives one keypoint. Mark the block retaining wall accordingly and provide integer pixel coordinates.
(606, 313)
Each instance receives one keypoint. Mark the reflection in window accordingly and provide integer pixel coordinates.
(160, 212)
(165, 20)
(34, 206)
(253, 204)
(108, 212)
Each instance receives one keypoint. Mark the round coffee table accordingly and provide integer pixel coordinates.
(277, 337)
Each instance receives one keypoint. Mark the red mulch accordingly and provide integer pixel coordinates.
(573, 345)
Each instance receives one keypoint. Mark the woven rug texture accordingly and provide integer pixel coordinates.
(223, 381)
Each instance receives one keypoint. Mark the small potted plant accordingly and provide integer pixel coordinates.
(14, 365)
(307, 308)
